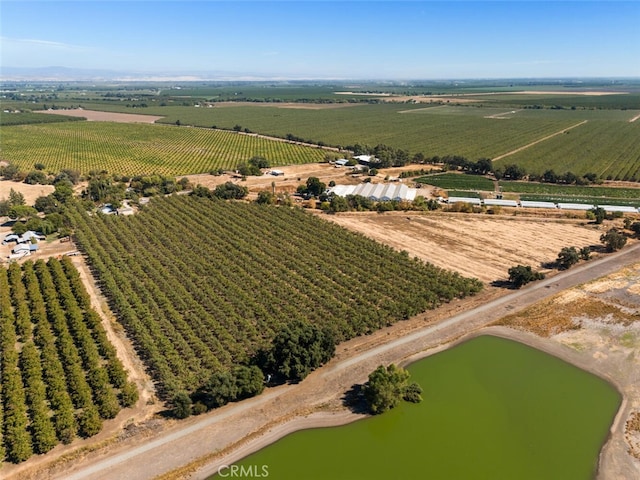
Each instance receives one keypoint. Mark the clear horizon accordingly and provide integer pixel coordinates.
(327, 40)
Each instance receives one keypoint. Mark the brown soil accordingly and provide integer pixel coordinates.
(95, 116)
(480, 246)
(30, 192)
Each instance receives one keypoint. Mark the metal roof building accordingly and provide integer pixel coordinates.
(535, 204)
(619, 208)
(380, 192)
(575, 206)
(471, 200)
(500, 202)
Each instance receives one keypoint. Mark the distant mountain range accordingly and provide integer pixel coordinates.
(65, 74)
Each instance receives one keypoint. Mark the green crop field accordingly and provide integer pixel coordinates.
(601, 201)
(473, 126)
(59, 375)
(207, 283)
(26, 118)
(569, 190)
(455, 181)
(135, 149)
(611, 149)
(469, 135)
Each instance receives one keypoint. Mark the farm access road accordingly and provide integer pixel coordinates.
(201, 444)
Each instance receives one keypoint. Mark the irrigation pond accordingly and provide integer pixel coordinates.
(493, 409)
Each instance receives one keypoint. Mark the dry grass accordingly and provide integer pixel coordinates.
(30, 192)
(632, 434)
(568, 311)
(481, 246)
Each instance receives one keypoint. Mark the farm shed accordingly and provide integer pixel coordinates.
(471, 200)
(29, 235)
(619, 208)
(575, 206)
(12, 237)
(22, 248)
(534, 204)
(364, 159)
(498, 202)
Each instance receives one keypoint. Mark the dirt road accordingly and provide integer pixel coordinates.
(500, 157)
(221, 436)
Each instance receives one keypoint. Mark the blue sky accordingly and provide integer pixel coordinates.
(360, 39)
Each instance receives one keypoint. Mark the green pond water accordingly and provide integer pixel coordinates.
(493, 409)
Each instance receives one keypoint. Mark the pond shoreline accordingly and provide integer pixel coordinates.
(609, 457)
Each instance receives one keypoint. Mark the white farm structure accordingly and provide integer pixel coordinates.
(378, 192)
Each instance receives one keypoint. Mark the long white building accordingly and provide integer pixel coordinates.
(378, 192)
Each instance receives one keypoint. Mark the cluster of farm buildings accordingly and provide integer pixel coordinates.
(382, 192)
(25, 243)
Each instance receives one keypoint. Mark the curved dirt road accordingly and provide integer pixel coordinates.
(246, 426)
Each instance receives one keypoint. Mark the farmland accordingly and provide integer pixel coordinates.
(476, 121)
(189, 317)
(469, 135)
(466, 185)
(480, 245)
(60, 375)
(610, 149)
(454, 181)
(134, 149)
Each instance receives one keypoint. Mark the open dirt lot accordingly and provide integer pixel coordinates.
(95, 116)
(480, 246)
(295, 175)
(30, 192)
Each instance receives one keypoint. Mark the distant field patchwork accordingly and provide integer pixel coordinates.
(132, 149)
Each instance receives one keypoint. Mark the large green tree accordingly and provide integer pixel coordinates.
(567, 257)
(613, 240)
(388, 386)
(300, 347)
(520, 275)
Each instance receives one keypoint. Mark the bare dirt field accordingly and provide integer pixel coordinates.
(480, 246)
(30, 192)
(95, 116)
